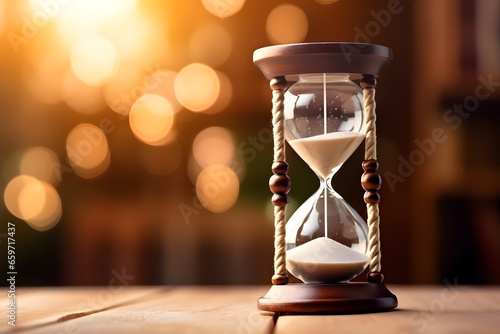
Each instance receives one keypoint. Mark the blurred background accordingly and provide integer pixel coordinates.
(118, 116)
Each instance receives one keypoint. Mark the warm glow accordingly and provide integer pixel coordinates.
(34, 201)
(210, 44)
(136, 40)
(71, 26)
(225, 95)
(45, 82)
(91, 9)
(50, 213)
(105, 9)
(161, 82)
(88, 150)
(151, 119)
(78, 18)
(31, 199)
(81, 97)
(217, 188)
(123, 89)
(212, 146)
(12, 191)
(286, 24)
(197, 87)
(2, 14)
(41, 163)
(93, 60)
(223, 8)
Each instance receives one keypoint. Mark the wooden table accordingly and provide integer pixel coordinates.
(227, 309)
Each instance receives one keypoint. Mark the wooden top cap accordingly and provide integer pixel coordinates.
(290, 60)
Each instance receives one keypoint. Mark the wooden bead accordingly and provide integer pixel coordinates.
(370, 165)
(280, 167)
(371, 181)
(371, 197)
(280, 199)
(279, 184)
(375, 277)
(280, 279)
(278, 83)
(368, 81)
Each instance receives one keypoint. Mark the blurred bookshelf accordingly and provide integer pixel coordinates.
(457, 190)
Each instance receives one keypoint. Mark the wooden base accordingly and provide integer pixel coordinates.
(328, 298)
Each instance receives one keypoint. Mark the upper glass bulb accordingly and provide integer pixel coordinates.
(316, 97)
(329, 106)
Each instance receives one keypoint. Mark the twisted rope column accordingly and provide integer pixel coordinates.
(279, 183)
(371, 180)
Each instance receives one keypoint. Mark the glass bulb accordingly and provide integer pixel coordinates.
(307, 100)
(324, 125)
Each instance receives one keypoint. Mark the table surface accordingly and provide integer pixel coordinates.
(232, 309)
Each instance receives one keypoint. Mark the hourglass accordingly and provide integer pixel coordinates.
(324, 116)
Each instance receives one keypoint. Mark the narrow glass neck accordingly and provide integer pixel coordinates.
(327, 182)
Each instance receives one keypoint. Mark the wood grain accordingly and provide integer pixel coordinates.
(142, 309)
(447, 309)
(226, 309)
(42, 307)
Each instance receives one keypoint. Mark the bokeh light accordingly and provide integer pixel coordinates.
(79, 18)
(81, 97)
(90, 9)
(217, 188)
(210, 44)
(93, 60)
(197, 87)
(12, 192)
(136, 39)
(161, 82)
(124, 89)
(213, 145)
(225, 95)
(87, 150)
(34, 201)
(2, 15)
(286, 24)
(31, 199)
(72, 25)
(41, 163)
(151, 119)
(102, 10)
(223, 8)
(50, 213)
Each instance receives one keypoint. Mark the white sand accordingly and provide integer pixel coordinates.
(325, 152)
(324, 260)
